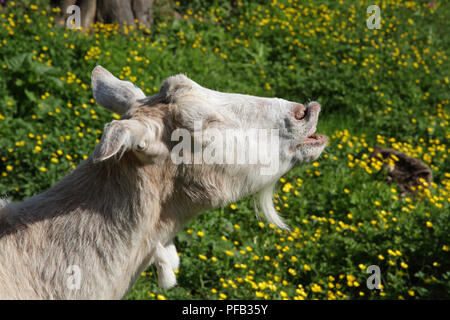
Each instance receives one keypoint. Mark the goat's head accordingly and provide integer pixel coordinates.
(196, 130)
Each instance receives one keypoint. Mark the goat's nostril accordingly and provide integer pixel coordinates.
(299, 112)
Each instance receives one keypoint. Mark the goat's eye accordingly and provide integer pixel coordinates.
(299, 112)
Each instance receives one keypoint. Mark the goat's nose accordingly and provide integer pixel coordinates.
(299, 111)
(314, 106)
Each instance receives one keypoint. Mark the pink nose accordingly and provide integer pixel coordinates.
(314, 106)
(299, 111)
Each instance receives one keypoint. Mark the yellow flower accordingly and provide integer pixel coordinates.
(43, 169)
(200, 233)
(404, 265)
(316, 288)
(306, 267)
(429, 224)
(287, 187)
(392, 253)
(222, 296)
(161, 297)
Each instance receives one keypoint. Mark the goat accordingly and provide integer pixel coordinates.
(92, 234)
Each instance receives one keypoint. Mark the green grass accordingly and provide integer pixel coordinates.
(388, 87)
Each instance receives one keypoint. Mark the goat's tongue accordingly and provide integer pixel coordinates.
(311, 138)
(312, 132)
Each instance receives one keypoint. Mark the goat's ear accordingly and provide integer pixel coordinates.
(120, 136)
(112, 93)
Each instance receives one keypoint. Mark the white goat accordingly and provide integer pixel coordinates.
(92, 234)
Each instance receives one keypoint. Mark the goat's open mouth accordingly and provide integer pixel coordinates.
(314, 140)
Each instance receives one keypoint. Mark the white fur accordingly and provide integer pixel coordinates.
(164, 264)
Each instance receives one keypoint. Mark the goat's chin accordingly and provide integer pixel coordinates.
(308, 153)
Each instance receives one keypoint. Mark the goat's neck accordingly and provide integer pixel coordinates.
(99, 220)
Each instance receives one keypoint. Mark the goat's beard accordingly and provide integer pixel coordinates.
(264, 202)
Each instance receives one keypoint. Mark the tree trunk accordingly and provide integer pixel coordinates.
(143, 10)
(118, 11)
(88, 9)
(113, 11)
